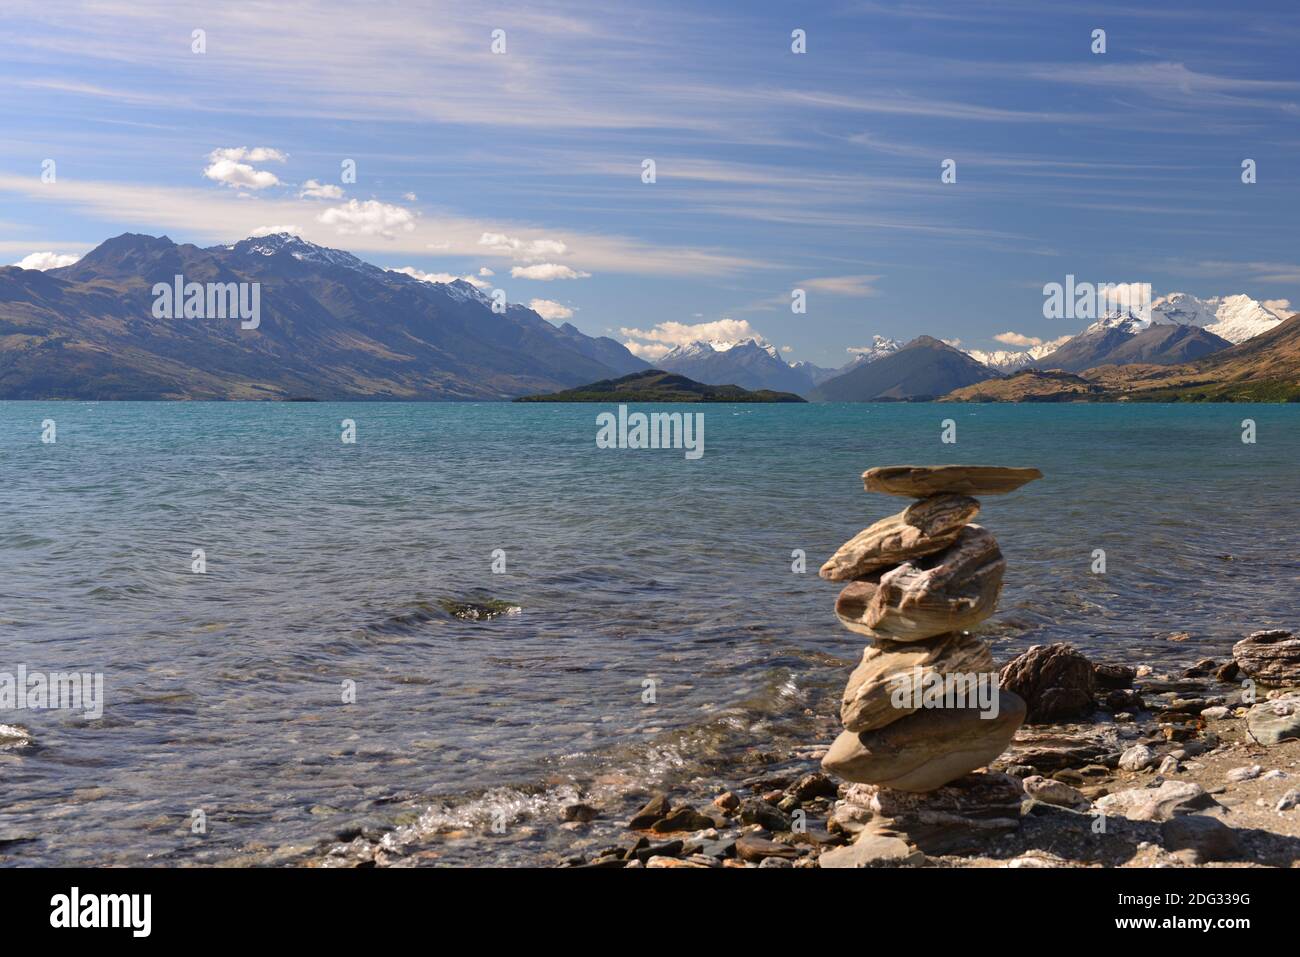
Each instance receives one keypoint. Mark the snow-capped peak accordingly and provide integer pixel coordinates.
(1126, 320)
(1235, 318)
(704, 347)
(463, 291)
(880, 346)
(300, 249)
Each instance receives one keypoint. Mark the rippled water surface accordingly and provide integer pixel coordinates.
(326, 563)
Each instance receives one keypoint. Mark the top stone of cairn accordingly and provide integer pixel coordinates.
(922, 481)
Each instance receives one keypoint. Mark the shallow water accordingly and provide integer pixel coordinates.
(326, 563)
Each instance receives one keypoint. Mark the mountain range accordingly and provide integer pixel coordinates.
(1263, 368)
(335, 327)
(331, 327)
(749, 363)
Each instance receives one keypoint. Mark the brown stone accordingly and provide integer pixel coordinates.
(753, 848)
(869, 699)
(951, 590)
(923, 528)
(919, 481)
(927, 749)
(1272, 657)
(962, 817)
(1055, 681)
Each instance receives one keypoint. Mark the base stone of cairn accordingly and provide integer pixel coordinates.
(923, 709)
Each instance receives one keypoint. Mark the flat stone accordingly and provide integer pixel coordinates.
(1272, 657)
(920, 481)
(753, 848)
(927, 749)
(951, 590)
(1210, 839)
(924, 527)
(1155, 804)
(870, 701)
(1058, 793)
(1272, 722)
(965, 816)
(1055, 681)
(682, 818)
(1051, 750)
(872, 850)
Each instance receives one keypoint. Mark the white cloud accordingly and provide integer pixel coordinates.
(1279, 307)
(647, 350)
(273, 230)
(205, 215)
(546, 272)
(550, 309)
(1016, 339)
(787, 348)
(527, 250)
(440, 277)
(842, 285)
(672, 334)
(1125, 296)
(256, 154)
(955, 343)
(410, 197)
(46, 260)
(371, 218)
(314, 190)
(484, 271)
(233, 166)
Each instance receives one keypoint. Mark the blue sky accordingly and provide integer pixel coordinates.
(775, 170)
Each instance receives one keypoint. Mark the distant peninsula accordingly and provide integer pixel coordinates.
(654, 385)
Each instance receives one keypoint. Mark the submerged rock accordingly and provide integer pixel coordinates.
(13, 736)
(920, 481)
(478, 611)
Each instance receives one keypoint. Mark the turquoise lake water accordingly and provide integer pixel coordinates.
(325, 563)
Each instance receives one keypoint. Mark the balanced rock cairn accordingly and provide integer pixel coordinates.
(916, 580)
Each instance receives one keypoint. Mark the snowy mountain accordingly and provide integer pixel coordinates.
(749, 363)
(922, 369)
(331, 327)
(1011, 360)
(879, 348)
(1235, 318)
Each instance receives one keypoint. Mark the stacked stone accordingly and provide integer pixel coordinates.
(916, 581)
